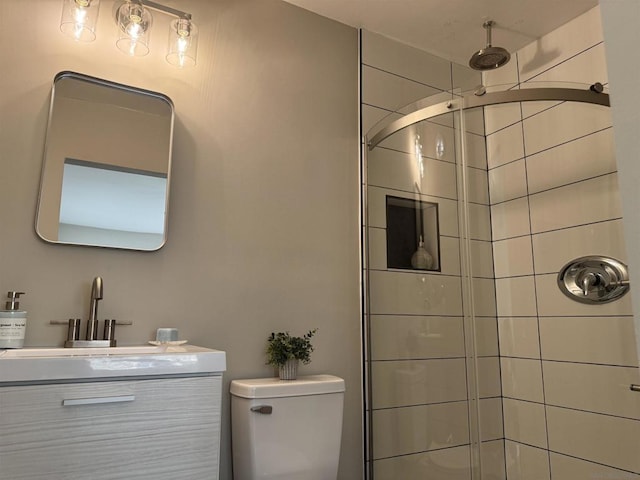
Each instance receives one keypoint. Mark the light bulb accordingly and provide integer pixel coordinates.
(79, 19)
(183, 43)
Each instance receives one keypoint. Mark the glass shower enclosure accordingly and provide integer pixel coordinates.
(466, 370)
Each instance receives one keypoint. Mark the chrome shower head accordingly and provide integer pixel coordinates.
(489, 57)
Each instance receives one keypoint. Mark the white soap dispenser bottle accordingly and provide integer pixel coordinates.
(13, 322)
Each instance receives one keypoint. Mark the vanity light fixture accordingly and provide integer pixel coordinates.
(79, 19)
(134, 21)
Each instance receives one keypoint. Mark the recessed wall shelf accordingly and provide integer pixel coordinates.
(407, 221)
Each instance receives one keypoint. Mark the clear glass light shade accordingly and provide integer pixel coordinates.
(183, 43)
(79, 18)
(134, 29)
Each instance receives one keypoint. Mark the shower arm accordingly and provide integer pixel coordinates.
(487, 26)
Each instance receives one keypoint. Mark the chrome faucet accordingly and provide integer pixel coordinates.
(73, 333)
(92, 323)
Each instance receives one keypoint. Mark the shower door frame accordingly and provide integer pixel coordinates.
(378, 134)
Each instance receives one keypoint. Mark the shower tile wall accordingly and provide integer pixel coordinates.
(419, 402)
(566, 367)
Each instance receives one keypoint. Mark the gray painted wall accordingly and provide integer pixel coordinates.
(263, 225)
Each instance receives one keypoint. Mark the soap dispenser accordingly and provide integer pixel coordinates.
(13, 322)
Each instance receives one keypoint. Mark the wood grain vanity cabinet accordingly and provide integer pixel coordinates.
(133, 429)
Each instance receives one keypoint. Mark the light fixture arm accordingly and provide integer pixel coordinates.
(168, 10)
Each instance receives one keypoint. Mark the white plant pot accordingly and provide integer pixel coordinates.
(289, 371)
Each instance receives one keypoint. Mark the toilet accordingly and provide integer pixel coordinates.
(286, 429)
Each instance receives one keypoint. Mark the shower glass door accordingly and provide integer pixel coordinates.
(432, 362)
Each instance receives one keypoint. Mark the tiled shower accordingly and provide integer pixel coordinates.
(552, 374)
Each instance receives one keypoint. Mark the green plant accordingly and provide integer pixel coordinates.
(282, 346)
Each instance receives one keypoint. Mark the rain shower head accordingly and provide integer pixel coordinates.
(489, 57)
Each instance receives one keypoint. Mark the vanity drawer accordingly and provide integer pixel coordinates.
(164, 429)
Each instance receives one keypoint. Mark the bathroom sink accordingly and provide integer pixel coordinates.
(35, 365)
(72, 352)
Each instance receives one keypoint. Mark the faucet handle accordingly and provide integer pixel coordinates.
(110, 330)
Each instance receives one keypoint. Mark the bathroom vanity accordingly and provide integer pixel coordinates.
(113, 413)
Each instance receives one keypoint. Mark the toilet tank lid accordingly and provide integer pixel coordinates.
(274, 387)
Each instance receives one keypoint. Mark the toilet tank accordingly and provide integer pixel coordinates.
(286, 429)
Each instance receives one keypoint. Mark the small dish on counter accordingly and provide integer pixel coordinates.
(169, 342)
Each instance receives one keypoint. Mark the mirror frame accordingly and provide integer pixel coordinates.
(42, 197)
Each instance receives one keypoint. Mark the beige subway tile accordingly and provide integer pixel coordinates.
(489, 377)
(510, 219)
(513, 257)
(508, 182)
(475, 151)
(519, 337)
(404, 60)
(522, 379)
(486, 336)
(596, 388)
(580, 159)
(408, 293)
(515, 297)
(402, 171)
(491, 419)
(500, 116)
(524, 422)
(478, 186)
(479, 222)
(605, 340)
(527, 463)
(569, 467)
(395, 337)
(505, 145)
(561, 44)
(402, 431)
(492, 454)
(580, 203)
(481, 259)
(484, 297)
(447, 464)
(415, 382)
(474, 121)
(562, 123)
(377, 248)
(552, 250)
(389, 91)
(604, 439)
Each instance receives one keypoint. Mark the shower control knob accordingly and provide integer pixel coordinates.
(594, 279)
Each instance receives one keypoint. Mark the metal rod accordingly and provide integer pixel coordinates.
(494, 98)
(169, 10)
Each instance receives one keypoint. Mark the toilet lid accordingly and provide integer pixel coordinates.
(275, 388)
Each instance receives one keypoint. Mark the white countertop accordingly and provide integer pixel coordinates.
(36, 365)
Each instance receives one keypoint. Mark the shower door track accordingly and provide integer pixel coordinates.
(494, 98)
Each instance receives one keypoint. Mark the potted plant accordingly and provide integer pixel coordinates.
(286, 351)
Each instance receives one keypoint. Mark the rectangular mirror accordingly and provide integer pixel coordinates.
(106, 167)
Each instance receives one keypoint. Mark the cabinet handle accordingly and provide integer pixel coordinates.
(97, 400)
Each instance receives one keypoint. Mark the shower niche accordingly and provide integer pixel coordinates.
(413, 240)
